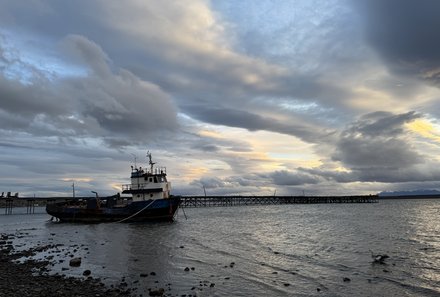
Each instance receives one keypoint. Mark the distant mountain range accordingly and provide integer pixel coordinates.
(409, 193)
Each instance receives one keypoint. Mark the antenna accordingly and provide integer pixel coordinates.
(135, 158)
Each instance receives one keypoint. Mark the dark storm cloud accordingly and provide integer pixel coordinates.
(380, 123)
(405, 33)
(254, 122)
(103, 104)
(205, 147)
(193, 71)
(289, 178)
(375, 149)
(243, 184)
(210, 183)
(297, 69)
(376, 141)
(331, 175)
(16, 97)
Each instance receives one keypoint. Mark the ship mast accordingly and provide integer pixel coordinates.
(151, 162)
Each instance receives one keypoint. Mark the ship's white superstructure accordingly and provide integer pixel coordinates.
(148, 183)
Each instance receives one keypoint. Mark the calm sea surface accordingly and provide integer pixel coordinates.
(279, 250)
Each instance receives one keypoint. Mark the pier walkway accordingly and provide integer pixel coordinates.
(200, 201)
(219, 201)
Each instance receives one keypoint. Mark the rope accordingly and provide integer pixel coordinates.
(180, 206)
(133, 215)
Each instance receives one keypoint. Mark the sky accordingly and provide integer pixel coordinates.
(315, 97)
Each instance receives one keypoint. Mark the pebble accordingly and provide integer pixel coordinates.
(87, 272)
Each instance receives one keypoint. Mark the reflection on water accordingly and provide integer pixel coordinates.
(293, 250)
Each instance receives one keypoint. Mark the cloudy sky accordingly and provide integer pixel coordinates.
(239, 97)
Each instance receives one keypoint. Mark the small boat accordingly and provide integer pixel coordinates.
(150, 200)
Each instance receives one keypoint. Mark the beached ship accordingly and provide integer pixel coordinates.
(150, 200)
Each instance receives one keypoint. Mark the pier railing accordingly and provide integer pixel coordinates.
(218, 201)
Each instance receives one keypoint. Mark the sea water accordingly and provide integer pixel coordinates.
(274, 250)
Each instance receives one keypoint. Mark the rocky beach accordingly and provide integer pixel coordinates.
(22, 276)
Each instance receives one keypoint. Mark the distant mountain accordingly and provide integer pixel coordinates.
(409, 193)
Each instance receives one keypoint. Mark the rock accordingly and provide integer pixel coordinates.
(379, 258)
(87, 272)
(186, 269)
(153, 273)
(143, 274)
(286, 284)
(75, 262)
(158, 292)
(346, 279)
(212, 285)
(318, 289)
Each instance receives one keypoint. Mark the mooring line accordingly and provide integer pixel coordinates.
(135, 214)
(180, 205)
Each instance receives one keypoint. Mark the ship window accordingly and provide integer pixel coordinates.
(151, 195)
(151, 179)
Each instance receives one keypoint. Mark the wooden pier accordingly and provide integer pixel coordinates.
(222, 201)
(200, 201)
(9, 203)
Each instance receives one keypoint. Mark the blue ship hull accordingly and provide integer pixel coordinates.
(137, 211)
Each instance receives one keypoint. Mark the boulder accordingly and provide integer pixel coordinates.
(75, 262)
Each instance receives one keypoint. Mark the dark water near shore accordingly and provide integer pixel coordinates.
(279, 250)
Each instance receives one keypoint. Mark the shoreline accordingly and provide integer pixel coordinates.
(32, 278)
